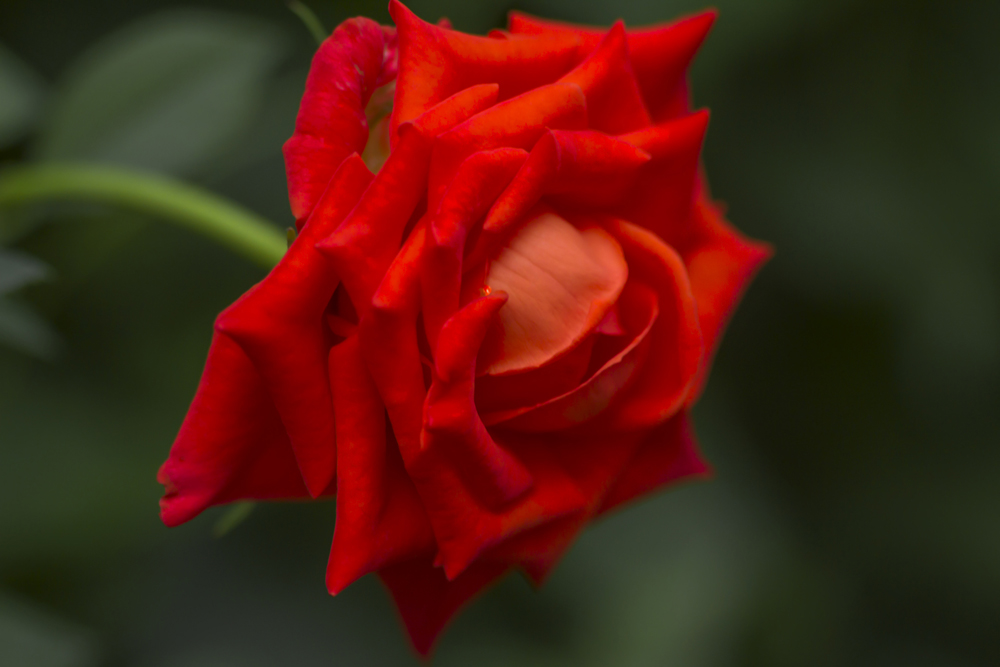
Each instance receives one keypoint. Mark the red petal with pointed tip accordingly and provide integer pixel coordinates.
(660, 55)
(580, 167)
(516, 123)
(668, 453)
(614, 102)
(279, 323)
(388, 334)
(379, 516)
(662, 194)
(232, 444)
(476, 492)
(476, 185)
(427, 600)
(721, 263)
(435, 62)
(365, 245)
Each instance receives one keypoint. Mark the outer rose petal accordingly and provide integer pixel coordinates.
(232, 444)
(660, 54)
(662, 195)
(331, 123)
(435, 62)
(667, 454)
(279, 323)
(427, 600)
(721, 263)
(614, 102)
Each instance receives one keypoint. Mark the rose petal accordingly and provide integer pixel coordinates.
(614, 102)
(594, 463)
(427, 600)
(452, 427)
(676, 347)
(475, 186)
(667, 454)
(561, 281)
(664, 190)
(660, 55)
(279, 323)
(364, 246)
(331, 123)
(589, 399)
(436, 62)
(231, 445)
(476, 492)
(582, 167)
(517, 123)
(553, 378)
(388, 334)
(721, 263)
(380, 519)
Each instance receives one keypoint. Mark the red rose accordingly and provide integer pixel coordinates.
(495, 338)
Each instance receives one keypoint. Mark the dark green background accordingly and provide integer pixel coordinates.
(852, 415)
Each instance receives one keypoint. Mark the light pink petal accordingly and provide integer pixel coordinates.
(560, 281)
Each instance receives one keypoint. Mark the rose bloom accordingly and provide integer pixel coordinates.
(490, 334)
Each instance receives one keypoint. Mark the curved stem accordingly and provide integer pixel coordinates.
(311, 21)
(186, 205)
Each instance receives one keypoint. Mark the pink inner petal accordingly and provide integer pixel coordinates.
(561, 282)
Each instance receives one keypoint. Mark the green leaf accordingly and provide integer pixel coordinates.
(18, 269)
(21, 95)
(169, 93)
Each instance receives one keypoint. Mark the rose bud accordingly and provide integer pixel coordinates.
(497, 336)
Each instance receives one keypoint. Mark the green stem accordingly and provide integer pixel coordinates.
(186, 205)
(312, 22)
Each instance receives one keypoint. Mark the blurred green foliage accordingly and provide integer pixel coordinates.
(852, 416)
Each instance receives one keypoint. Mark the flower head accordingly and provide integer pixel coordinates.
(496, 337)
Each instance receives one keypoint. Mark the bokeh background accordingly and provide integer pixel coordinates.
(852, 417)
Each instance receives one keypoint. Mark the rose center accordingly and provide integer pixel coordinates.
(561, 281)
